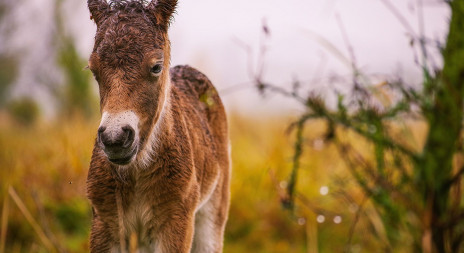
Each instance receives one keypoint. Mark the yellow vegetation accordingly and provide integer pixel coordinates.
(46, 165)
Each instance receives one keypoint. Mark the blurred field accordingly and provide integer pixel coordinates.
(46, 164)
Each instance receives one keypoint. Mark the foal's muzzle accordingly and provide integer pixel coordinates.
(118, 136)
(117, 143)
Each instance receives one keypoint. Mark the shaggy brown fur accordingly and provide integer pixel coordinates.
(174, 196)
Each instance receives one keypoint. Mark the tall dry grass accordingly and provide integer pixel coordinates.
(43, 169)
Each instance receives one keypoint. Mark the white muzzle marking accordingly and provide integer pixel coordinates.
(114, 121)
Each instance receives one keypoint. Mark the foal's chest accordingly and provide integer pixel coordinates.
(137, 217)
(138, 214)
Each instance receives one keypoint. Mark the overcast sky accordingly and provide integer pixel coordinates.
(211, 34)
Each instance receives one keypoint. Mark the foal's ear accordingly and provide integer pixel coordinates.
(98, 9)
(162, 11)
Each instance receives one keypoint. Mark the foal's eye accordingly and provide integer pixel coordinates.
(156, 69)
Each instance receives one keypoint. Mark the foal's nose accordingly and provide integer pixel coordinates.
(116, 139)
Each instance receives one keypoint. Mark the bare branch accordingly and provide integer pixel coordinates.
(456, 178)
(400, 17)
(347, 44)
(357, 216)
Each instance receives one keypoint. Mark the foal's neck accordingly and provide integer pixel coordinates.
(161, 130)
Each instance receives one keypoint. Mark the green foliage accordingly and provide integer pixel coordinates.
(2, 10)
(8, 72)
(24, 110)
(78, 96)
(8, 64)
(73, 216)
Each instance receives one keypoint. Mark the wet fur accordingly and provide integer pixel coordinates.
(176, 193)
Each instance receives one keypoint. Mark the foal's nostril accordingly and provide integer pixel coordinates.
(116, 140)
(129, 135)
(101, 130)
(108, 140)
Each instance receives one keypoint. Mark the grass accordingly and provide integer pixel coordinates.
(46, 166)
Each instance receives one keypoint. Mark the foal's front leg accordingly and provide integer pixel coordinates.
(175, 235)
(101, 238)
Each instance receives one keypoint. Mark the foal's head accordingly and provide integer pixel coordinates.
(130, 61)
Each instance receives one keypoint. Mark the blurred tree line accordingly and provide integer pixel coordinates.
(73, 95)
(77, 96)
(417, 191)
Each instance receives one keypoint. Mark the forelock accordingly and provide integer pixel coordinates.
(136, 6)
(125, 9)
